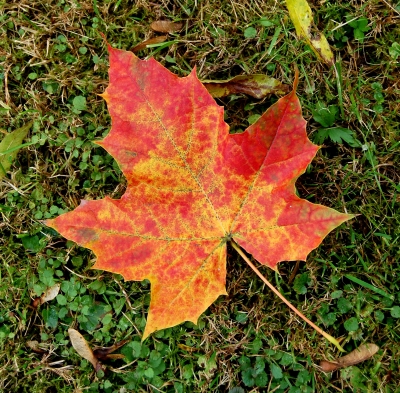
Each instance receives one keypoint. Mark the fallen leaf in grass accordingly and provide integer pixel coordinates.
(257, 86)
(107, 352)
(50, 294)
(82, 347)
(301, 16)
(10, 145)
(192, 188)
(360, 354)
(34, 346)
(150, 41)
(166, 26)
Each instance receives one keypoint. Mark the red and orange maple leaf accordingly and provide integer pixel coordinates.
(192, 187)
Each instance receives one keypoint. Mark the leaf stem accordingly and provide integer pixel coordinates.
(290, 305)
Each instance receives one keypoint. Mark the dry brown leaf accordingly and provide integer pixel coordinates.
(257, 86)
(328, 367)
(360, 354)
(166, 26)
(107, 352)
(34, 346)
(82, 347)
(150, 41)
(50, 294)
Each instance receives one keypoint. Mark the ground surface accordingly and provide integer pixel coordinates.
(53, 63)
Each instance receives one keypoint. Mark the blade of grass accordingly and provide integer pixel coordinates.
(338, 71)
(368, 286)
(159, 47)
(274, 39)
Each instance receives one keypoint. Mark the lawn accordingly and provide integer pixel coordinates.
(54, 65)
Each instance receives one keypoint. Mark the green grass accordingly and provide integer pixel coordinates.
(53, 63)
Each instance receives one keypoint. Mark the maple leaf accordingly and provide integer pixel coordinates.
(193, 187)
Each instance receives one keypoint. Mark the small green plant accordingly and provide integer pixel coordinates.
(250, 32)
(378, 96)
(360, 27)
(78, 104)
(275, 369)
(150, 364)
(394, 50)
(355, 28)
(356, 379)
(253, 374)
(301, 282)
(327, 116)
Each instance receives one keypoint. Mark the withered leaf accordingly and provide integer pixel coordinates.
(107, 352)
(166, 26)
(257, 86)
(82, 347)
(358, 355)
(50, 294)
(35, 347)
(150, 41)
